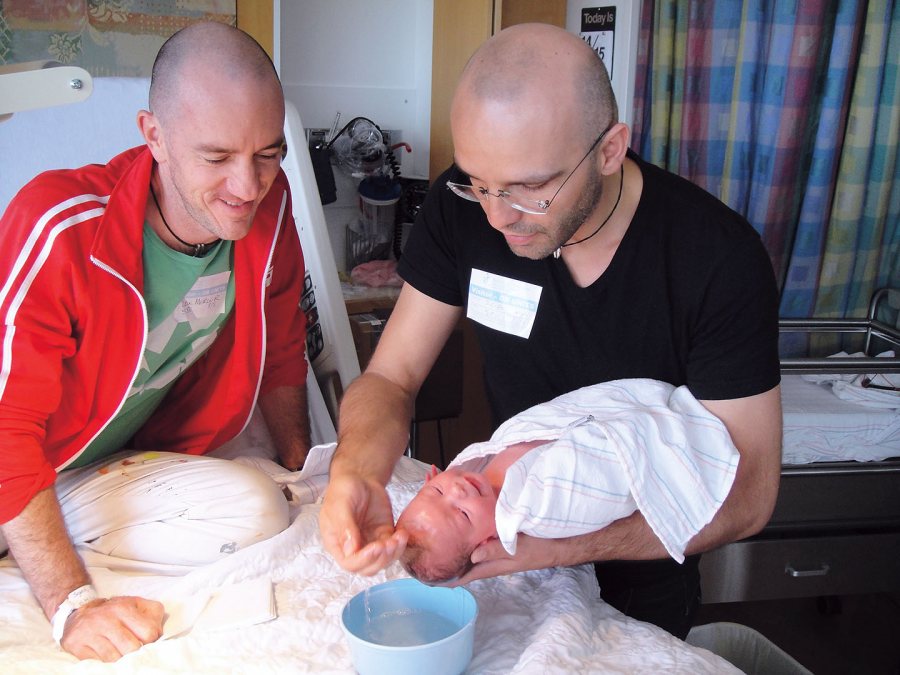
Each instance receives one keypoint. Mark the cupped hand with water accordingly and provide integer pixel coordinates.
(357, 525)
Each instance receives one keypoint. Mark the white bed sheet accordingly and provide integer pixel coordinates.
(820, 427)
(547, 621)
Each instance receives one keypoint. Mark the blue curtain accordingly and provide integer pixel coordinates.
(789, 112)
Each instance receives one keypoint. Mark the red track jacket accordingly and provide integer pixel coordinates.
(74, 324)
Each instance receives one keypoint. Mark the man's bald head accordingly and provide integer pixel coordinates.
(233, 54)
(529, 62)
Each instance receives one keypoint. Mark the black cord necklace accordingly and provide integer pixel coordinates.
(199, 250)
(558, 251)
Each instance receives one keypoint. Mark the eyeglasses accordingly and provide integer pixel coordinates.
(537, 207)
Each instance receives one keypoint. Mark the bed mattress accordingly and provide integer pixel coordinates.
(820, 427)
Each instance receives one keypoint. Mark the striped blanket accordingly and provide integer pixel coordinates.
(616, 447)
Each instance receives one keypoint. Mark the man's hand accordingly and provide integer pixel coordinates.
(356, 520)
(491, 559)
(357, 525)
(629, 538)
(109, 629)
(101, 629)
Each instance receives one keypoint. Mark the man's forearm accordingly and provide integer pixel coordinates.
(754, 423)
(629, 538)
(632, 538)
(286, 413)
(374, 428)
(38, 540)
(755, 427)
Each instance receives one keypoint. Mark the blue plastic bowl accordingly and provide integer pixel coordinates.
(405, 627)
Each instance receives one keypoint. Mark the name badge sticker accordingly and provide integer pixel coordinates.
(205, 299)
(504, 304)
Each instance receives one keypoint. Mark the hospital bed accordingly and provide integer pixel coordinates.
(545, 621)
(835, 529)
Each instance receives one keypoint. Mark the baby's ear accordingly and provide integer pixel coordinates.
(432, 472)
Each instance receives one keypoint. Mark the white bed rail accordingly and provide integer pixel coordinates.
(329, 343)
(41, 84)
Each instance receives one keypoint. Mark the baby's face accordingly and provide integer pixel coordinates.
(453, 510)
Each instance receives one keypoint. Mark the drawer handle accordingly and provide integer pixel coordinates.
(820, 572)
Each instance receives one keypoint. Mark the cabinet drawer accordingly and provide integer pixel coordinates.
(842, 495)
(802, 567)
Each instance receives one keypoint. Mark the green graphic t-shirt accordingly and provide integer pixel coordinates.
(188, 299)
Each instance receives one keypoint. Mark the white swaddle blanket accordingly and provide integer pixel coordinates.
(617, 446)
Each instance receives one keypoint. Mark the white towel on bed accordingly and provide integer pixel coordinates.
(820, 427)
(617, 446)
(857, 388)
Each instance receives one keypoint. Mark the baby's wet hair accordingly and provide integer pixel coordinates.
(416, 561)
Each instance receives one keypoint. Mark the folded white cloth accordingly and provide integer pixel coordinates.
(857, 388)
(617, 446)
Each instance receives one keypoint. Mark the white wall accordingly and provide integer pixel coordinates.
(360, 58)
(369, 58)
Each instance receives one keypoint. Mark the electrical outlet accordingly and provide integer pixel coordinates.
(316, 137)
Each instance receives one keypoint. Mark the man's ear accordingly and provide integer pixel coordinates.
(148, 125)
(614, 147)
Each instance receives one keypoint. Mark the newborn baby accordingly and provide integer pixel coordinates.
(452, 514)
(572, 466)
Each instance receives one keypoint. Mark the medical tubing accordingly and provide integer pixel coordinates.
(391, 159)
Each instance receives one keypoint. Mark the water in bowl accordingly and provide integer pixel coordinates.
(408, 628)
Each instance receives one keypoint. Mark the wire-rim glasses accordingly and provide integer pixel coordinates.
(537, 207)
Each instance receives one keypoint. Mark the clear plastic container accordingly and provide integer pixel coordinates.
(371, 235)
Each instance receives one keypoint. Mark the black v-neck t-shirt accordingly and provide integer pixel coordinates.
(688, 298)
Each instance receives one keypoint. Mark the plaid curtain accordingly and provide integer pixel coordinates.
(789, 112)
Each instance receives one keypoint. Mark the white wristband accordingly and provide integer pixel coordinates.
(75, 600)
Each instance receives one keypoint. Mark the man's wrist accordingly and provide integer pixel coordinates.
(346, 466)
(77, 599)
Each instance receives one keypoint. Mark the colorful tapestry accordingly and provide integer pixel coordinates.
(105, 37)
(790, 113)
